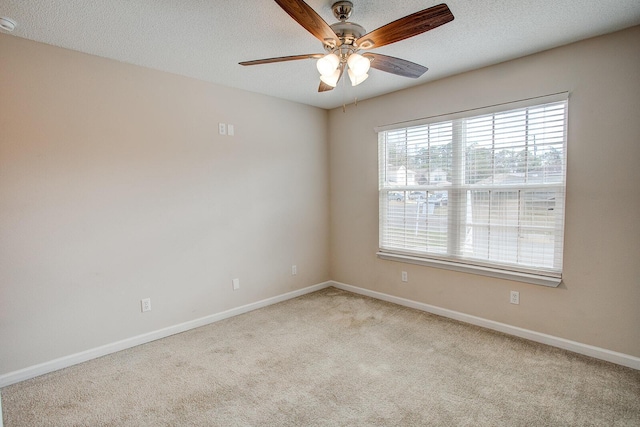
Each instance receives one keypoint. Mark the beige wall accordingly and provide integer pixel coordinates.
(599, 300)
(115, 186)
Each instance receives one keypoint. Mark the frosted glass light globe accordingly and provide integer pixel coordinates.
(331, 80)
(359, 64)
(328, 64)
(356, 80)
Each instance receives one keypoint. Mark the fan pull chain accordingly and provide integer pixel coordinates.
(344, 93)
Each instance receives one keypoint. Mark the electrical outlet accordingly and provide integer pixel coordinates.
(405, 277)
(294, 270)
(236, 284)
(515, 297)
(145, 304)
(222, 128)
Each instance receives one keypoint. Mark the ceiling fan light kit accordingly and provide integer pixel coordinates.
(344, 40)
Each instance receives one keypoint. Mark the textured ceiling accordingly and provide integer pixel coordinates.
(206, 39)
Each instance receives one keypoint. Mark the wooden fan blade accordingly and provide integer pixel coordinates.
(324, 87)
(304, 15)
(282, 59)
(398, 66)
(409, 26)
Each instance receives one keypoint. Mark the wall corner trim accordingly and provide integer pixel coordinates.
(74, 359)
(574, 346)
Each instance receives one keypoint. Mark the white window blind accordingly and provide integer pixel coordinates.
(484, 190)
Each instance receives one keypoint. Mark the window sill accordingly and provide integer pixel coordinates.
(535, 279)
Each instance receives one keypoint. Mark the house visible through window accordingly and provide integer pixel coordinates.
(480, 191)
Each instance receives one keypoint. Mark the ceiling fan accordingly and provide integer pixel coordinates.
(343, 40)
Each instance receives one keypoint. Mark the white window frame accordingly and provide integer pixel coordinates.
(545, 277)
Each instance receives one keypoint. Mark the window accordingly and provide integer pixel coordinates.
(479, 191)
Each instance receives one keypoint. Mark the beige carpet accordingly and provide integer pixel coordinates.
(332, 358)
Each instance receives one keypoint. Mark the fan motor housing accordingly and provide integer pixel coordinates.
(348, 32)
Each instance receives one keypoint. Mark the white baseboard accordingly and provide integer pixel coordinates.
(74, 359)
(576, 347)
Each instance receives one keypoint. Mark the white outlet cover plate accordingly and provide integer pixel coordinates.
(515, 297)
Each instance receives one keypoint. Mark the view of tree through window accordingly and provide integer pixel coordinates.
(485, 190)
